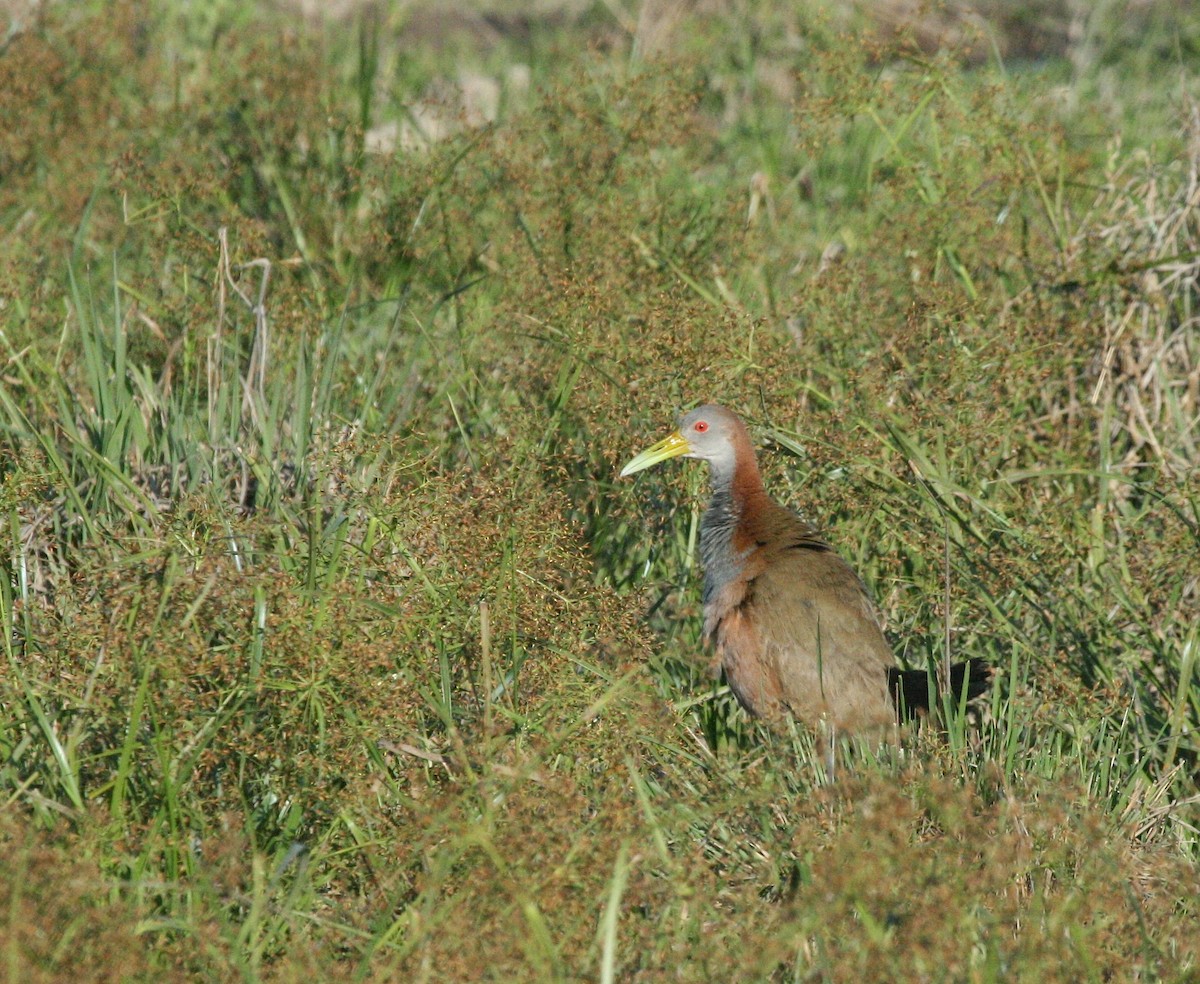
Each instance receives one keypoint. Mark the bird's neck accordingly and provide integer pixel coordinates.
(726, 539)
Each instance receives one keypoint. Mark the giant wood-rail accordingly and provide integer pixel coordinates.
(791, 622)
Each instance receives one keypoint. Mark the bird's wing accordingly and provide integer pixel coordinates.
(817, 631)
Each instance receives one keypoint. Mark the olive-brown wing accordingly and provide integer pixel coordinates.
(817, 630)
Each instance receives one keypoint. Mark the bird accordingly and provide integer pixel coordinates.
(791, 622)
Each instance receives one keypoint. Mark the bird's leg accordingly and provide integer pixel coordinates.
(830, 736)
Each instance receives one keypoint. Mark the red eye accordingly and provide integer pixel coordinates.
(700, 426)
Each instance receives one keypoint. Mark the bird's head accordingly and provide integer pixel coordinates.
(710, 432)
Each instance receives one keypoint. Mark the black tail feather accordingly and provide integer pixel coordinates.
(911, 689)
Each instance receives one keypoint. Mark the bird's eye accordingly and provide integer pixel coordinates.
(700, 426)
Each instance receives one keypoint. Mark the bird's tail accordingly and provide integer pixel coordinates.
(913, 690)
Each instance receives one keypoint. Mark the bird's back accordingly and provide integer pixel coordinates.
(795, 630)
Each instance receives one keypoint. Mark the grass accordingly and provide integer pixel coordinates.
(336, 650)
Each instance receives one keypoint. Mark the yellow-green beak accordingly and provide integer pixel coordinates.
(668, 447)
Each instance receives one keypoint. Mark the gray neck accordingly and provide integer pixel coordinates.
(721, 563)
